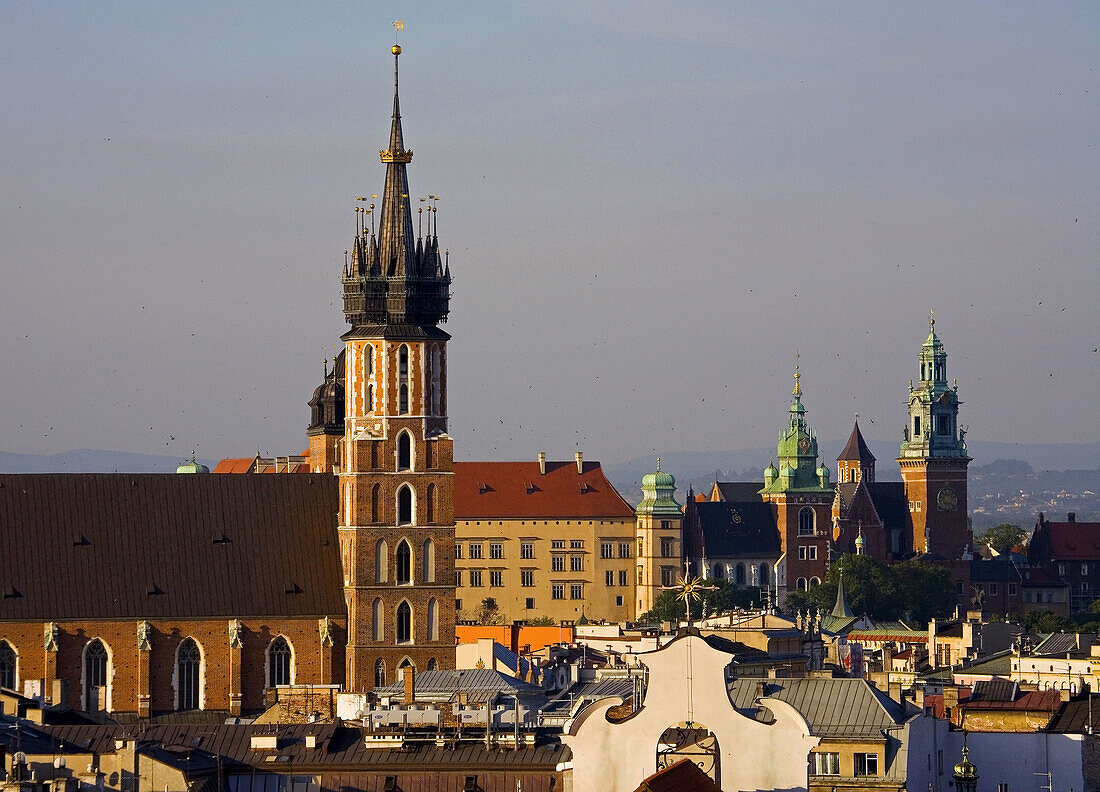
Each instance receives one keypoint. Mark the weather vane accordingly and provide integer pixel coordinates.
(689, 589)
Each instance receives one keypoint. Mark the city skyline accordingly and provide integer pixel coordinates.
(648, 219)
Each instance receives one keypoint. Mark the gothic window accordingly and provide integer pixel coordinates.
(7, 666)
(405, 505)
(432, 664)
(404, 563)
(379, 622)
(740, 575)
(428, 561)
(381, 561)
(379, 672)
(436, 379)
(188, 675)
(801, 584)
(376, 503)
(763, 574)
(404, 623)
(403, 379)
(429, 504)
(280, 663)
(916, 427)
(806, 521)
(368, 379)
(433, 620)
(718, 572)
(404, 451)
(96, 682)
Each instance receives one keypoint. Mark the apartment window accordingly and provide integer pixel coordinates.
(475, 578)
(557, 544)
(496, 550)
(496, 578)
(1061, 569)
(1012, 589)
(458, 605)
(609, 577)
(576, 563)
(475, 550)
(557, 563)
(527, 578)
(576, 544)
(667, 546)
(619, 601)
(666, 525)
(1002, 786)
(576, 591)
(993, 589)
(807, 552)
(639, 576)
(1084, 568)
(529, 603)
(557, 591)
(458, 578)
(866, 764)
(527, 550)
(622, 577)
(667, 574)
(458, 550)
(1084, 587)
(624, 549)
(640, 553)
(825, 764)
(607, 550)
(918, 506)
(958, 587)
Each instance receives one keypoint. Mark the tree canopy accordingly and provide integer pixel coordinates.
(1004, 537)
(726, 596)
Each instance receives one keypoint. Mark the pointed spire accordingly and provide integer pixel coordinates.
(856, 450)
(841, 609)
(395, 225)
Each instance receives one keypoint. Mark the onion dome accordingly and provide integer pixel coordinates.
(658, 494)
(193, 467)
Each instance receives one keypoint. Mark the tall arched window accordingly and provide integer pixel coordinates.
(404, 451)
(379, 672)
(801, 584)
(381, 562)
(763, 574)
(428, 560)
(405, 505)
(433, 620)
(188, 675)
(96, 681)
(432, 664)
(429, 504)
(7, 666)
(379, 620)
(280, 663)
(368, 379)
(404, 623)
(403, 379)
(718, 572)
(740, 579)
(806, 521)
(437, 376)
(404, 563)
(376, 503)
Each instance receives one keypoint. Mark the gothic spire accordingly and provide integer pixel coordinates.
(396, 243)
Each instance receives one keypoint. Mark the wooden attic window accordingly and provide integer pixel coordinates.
(482, 488)
(585, 488)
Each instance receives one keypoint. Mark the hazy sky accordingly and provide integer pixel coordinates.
(650, 207)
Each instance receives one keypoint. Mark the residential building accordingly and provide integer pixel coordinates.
(1069, 551)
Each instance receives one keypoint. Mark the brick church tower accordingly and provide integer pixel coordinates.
(397, 522)
(933, 458)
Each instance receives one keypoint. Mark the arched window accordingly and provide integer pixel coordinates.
(806, 521)
(404, 623)
(437, 368)
(7, 666)
(403, 379)
(368, 379)
(429, 505)
(405, 663)
(404, 451)
(815, 581)
(405, 505)
(432, 664)
(428, 561)
(763, 574)
(376, 503)
(381, 561)
(740, 573)
(404, 563)
(717, 572)
(280, 663)
(801, 584)
(433, 620)
(379, 620)
(379, 672)
(96, 679)
(188, 675)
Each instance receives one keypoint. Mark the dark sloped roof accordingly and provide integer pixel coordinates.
(856, 450)
(1078, 717)
(739, 490)
(832, 707)
(994, 690)
(999, 569)
(1073, 541)
(148, 546)
(732, 529)
(684, 776)
(890, 502)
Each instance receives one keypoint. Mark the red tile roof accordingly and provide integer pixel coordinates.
(234, 465)
(517, 490)
(1074, 541)
(1034, 701)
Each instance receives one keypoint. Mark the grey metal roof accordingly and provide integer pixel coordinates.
(1057, 644)
(832, 707)
(472, 681)
(744, 491)
(733, 529)
(994, 690)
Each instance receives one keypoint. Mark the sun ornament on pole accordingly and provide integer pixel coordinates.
(689, 589)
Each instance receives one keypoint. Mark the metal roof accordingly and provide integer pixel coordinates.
(832, 707)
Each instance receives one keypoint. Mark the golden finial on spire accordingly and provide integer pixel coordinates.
(797, 376)
(932, 318)
(398, 26)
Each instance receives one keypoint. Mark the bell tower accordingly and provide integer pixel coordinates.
(933, 458)
(396, 481)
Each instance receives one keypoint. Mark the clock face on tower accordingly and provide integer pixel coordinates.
(947, 500)
(804, 444)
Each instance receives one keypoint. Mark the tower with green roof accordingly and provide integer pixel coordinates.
(801, 494)
(659, 533)
(933, 457)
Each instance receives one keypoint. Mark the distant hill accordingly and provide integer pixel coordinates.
(88, 460)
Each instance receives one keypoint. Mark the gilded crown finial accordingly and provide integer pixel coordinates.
(658, 464)
(932, 318)
(797, 376)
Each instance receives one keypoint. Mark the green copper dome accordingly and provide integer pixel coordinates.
(797, 452)
(658, 493)
(192, 467)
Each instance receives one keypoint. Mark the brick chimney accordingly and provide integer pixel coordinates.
(410, 684)
(580, 462)
(542, 463)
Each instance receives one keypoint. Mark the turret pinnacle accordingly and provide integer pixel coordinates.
(395, 229)
(841, 609)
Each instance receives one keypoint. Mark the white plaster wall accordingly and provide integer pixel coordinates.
(687, 683)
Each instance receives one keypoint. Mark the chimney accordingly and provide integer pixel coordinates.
(542, 463)
(410, 684)
(580, 462)
(513, 637)
(1073, 517)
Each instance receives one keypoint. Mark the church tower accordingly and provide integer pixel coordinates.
(933, 458)
(397, 523)
(802, 498)
(660, 538)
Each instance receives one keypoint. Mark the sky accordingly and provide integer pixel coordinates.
(654, 210)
